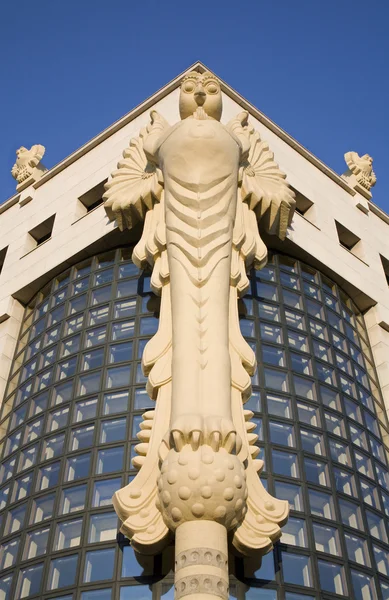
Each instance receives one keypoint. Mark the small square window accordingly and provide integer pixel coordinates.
(42, 232)
(350, 514)
(93, 197)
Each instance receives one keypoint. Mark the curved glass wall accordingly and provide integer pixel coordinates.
(73, 406)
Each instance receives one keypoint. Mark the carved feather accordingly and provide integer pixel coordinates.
(135, 186)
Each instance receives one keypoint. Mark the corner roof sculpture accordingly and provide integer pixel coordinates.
(362, 168)
(28, 163)
(200, 187)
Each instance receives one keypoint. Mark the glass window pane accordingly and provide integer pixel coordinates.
(68, 534)
(363, 585)
(312, 442)
(72, 499)
(77, 467)
(357, 549)
(118, 377)
(8, 554)
(316, 471)
(276, 380)
(109, 460)
(42, 508)
(279, 406)
(103, 527)
(344, 482)
(120, 352)
(85, 409)
(322, 504)
(294, 533)
(29, 582)
(332, 577)
(99, 565)
(62, 572)
(281, 433)
(350, 514)
(103, 491)
(81, 438)
(117, 402)
(296, 569)
(290, 492)
(285, 463)
(113, 430)
(92, 360)
(326, 539)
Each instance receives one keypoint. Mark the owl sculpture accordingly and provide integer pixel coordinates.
(362, 168)
(200, 187)
(27, 161)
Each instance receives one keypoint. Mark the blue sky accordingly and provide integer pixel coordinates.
(319, 69)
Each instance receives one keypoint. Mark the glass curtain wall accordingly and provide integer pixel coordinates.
(73, 406)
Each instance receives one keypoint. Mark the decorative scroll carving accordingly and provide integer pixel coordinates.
(28, 163)
(200, 187)
(362, 168)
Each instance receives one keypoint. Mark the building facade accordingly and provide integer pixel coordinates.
(75, 315)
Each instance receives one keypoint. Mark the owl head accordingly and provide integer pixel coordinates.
(200, 90)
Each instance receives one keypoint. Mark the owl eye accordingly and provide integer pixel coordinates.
(212, 88)
(189, 86)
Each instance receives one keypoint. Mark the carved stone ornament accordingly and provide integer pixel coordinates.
(200, 187)
(362, 168)
(28, 163)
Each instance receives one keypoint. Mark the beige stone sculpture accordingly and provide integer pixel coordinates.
(200, 187)
(362, 169)
(28, 164)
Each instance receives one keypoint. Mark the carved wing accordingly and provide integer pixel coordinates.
(136, 184)
(264, 188)
(135, 193)
(264, 196)
(37, 153)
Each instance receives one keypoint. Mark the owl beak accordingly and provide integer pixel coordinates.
(199, 94)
